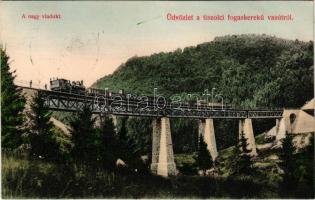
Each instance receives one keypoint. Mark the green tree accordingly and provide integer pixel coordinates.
(139, 130)
(288, 165)
(242, 163)
(298, 169)
(203, 159)
(308, 176)
(12, 105)
(128, 150)
(109, 145)
(40, 129)
(304, 171)
(287, 148)
(185, 136)
(84, 138)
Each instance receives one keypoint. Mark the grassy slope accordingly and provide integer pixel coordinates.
(22, 177)
(34, 179)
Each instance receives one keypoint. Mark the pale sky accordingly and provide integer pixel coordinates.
(93, 38)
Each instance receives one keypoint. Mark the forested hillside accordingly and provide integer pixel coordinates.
(249, 70)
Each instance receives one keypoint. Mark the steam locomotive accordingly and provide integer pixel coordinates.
(63, 85)
(77, 87)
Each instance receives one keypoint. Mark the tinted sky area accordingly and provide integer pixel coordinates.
(93, 38)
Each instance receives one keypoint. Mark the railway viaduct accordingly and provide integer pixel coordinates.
(162, 149)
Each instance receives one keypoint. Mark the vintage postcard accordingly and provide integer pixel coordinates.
(157, 99)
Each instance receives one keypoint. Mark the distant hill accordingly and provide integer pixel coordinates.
(248, 70)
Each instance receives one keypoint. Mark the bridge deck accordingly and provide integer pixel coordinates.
(121, 105)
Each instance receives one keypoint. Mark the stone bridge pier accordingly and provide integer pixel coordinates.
(246, 126)
(162, 148)
(206, 129)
